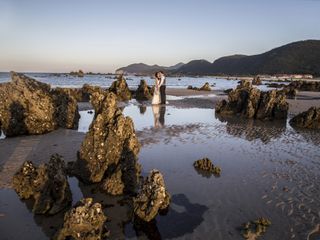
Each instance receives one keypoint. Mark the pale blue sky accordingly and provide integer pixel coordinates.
(62, 35)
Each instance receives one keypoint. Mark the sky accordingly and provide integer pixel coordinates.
(103, 35)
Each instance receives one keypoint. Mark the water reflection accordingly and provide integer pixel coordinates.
(158, 115)
(310, 135)
(2, 136)
(251, 129)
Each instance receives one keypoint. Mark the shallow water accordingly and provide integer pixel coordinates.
(133, 81)
(268, 169)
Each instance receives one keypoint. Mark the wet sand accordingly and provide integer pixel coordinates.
(268, 169)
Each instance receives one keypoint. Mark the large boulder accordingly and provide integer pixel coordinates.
(46, 184)
(205, 87)
(143, 92)
(308, 119)
(120, 89)
(86, 221)
(109, 146)
(152, 198)
(250, 102)
(31, 107)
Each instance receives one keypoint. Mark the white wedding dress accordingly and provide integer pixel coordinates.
(156, 95)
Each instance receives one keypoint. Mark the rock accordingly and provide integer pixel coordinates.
(308, 119)
(249, 102)
(109, 146)
(79, 73)
(205, 87)
(256, 81)
(152, 198)
(313, 86)
(86, 221)
(206, 165)
(46, 184)
(254, 229)
(289, 92)
(31, 107)
(120, 89)
(143, 92)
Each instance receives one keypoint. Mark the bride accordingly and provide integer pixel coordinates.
(156, 95)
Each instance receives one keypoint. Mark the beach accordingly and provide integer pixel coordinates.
(268, 170)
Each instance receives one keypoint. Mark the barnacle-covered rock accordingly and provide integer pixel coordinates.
(206, 165)
(144, 91)
(308, 119)
(254, 229)
(152, 198)
(85, 221)
(250, 102)
(205, 87)
(120, 89)
(46, 184)
(31, 107)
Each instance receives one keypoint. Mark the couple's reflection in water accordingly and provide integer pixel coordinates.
(159, 112)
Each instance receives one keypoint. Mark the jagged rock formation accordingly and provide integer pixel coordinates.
(120, 89)
(82, 94)
(79, 73)
(31, 107)
(152, 198)
(313, 86)
(256, 81)
(252, 103)
(308, 119)
(46, 184)
(110, 149)
(206, 165)
(143, 92)
(86, 221)
(205, 87)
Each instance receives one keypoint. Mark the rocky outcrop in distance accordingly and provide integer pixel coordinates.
(308, 119)
(250, 102)
(152, 198)
(31, 107)
(120, 89)
(312, 86)
(47, 185)
(144, 92)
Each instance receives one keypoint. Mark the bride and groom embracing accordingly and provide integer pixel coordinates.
(159, 95)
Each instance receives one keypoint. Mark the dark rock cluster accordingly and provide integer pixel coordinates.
(109, 151)
(79, 73)
(256, 81)
(152, 198)
(308, 119)
(143, 92)
(46, 184)
(313, 86)
(120, 89)
(85, 221)
(206, 165)
(254, 229)
(205, 87)
(250, 102)
(30, 107)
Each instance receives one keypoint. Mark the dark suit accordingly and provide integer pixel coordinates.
(163, 94)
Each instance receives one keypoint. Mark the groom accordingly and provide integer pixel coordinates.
(162, 78)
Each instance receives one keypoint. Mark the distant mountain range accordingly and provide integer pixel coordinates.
(301, 57)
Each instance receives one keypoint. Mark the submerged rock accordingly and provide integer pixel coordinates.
(152, 198)
(31, 107)
(86, 221)
(109, 146)
(254, 229)
(120, 89)
(206, 165)
(250, 102)
(46, 184)
(308, 119)
(143, 92)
